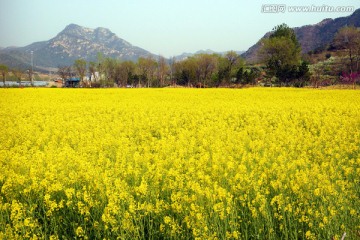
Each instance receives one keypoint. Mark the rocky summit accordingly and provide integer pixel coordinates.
(72, 43)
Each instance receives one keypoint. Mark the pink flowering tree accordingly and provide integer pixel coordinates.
(350, 78)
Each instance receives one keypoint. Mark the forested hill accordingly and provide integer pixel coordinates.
(312, 37)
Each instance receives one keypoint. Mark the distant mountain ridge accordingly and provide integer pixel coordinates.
(186, 55)
(311, 37)
(76, 42)
(70, 44)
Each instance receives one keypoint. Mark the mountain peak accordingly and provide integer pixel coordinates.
(104, 33)
(73, 26)
(102, 29)
(324, 22)
(76, 29)
(207, 51)
(75, 42)
(98, 34)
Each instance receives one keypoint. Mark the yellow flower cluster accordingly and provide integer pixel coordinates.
(179, 163)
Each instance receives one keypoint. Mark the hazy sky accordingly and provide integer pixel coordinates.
(167, 27)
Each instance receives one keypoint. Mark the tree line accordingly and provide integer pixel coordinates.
(17, 74)
(201, 70)
(282, 64)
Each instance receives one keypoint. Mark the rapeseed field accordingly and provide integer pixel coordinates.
(179, 164)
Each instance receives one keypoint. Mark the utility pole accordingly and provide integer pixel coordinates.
(32, 68)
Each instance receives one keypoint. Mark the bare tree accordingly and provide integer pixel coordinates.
(125, 71)
(146, 70)
(172, 69)
(80, 68)
(206, 66)
(18, 74)
(348, 38)
(65, 72)
(163, 69)
(30, 76)
(93, 72)
(185, 71)
(232, 58)
(109, 68)
(4, 70)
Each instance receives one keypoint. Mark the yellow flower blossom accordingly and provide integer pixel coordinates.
(179, 163)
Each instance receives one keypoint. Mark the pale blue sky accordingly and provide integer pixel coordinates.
(166, 27)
